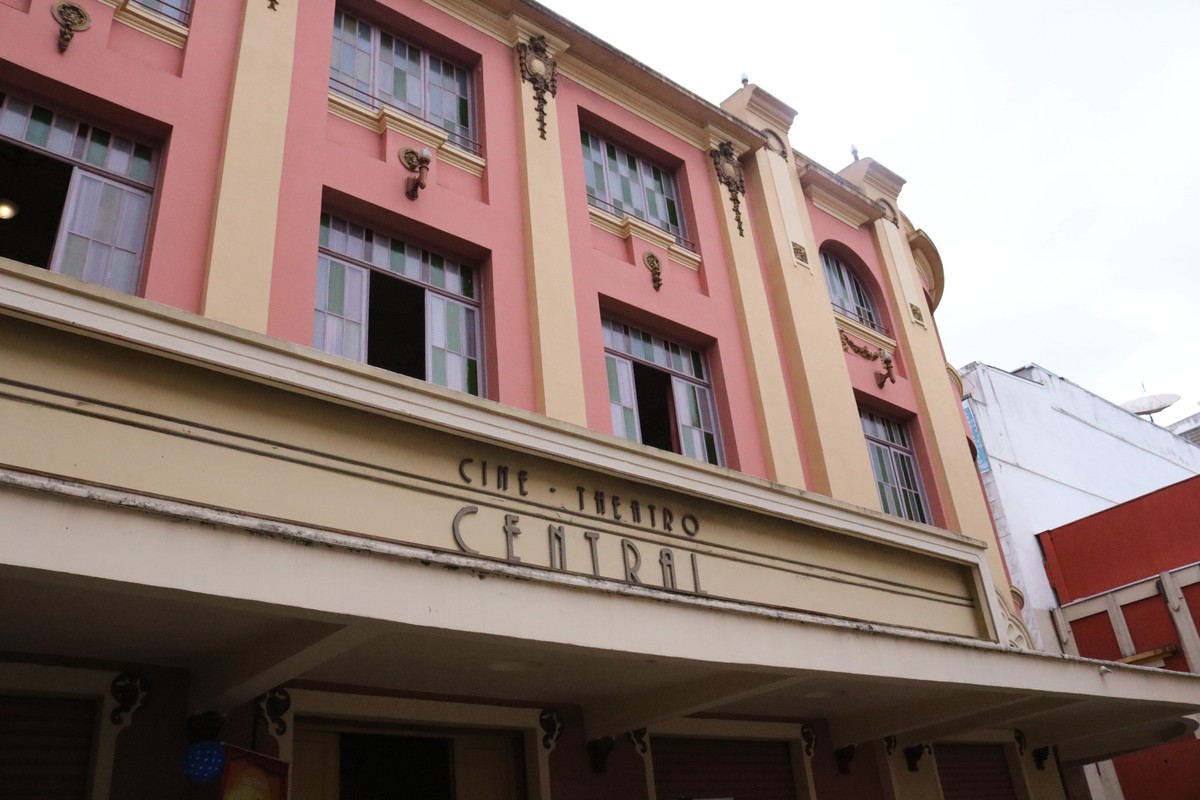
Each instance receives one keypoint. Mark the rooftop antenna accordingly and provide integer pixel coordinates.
(854, 152)
(745, 79)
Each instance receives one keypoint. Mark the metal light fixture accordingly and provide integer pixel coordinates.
(888, 373)
(418, 163)
(8, 209)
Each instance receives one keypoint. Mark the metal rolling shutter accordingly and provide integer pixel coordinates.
(974, 772)
(742, 770)
(45, 747)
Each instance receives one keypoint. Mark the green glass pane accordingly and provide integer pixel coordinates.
(396, 257)
(75, 256)
(454, 328)
(335, 302)
(672, 214)
(98, 147)
(614, 384)
(468, 282)
(324, 230)
(139, 170)
(698, 366)
(710, 447)
(464, 115)
(630, 426)
(385, 41)
(472, 376)
(693, 405)
(437, 271)
(39, 126)
(399, 84)
(437, 367)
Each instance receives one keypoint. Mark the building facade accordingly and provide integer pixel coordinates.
(1050, 452)
(1128, 579)
(425, 394)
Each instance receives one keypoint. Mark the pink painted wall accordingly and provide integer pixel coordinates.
(858, 250)
(131, 83)
(695, 309)
(335, 165)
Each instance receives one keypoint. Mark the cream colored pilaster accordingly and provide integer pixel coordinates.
(830, 429)
(238, 286)
(557, 363)
(767, 383)
(1042, 783)
(902, 783)
(962, 497)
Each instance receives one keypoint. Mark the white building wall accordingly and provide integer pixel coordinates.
(1056, 453)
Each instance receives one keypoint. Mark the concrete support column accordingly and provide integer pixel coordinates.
(237, 287)
(1181, 615)
(557, 362)
(758, 335)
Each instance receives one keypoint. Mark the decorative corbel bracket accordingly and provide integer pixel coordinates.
(808, 735)
(912, 756)
(843, 756)
(274, 706)
(638, 737)
(552, 727)
(889, 743)
(1019, 736)
(71, 19)
(540, 70)
(599, 751)
(130, 692)
(729, 174)
(1040, 756)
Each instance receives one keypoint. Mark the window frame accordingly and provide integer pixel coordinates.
(177, 11)
(688, 372)
(373, 96)
(99, 154)
(901, 491)
(848, 295)
(383, 245)
(612, 154)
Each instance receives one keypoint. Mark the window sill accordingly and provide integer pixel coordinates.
(387, 118)
(626, 227)
(148, 22)
(872, 337)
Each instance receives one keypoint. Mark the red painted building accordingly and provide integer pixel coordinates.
(1128, 581)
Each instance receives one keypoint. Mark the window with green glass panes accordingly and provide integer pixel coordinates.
(625, 184)
(660, 393)
(92, 187)
(396, 305)
(373, 67)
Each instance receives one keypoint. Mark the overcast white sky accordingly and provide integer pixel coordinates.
(1052, 151)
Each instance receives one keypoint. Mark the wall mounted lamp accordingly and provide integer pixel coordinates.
(8, 209)
(888, 373)
(418, 163)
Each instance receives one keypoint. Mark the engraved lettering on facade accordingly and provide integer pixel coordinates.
(632, 560)
(456, 528)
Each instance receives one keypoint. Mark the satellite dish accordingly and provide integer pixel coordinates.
(1150, 404)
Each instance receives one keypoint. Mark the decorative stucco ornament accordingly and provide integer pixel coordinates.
(729, 173)
(71, 18)
(654, 264)
(540, 70)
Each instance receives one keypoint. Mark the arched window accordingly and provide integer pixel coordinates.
(848, 295)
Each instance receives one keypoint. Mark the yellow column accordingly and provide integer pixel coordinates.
(962, 496)
(767, 383)
(557, 363)
(238, 286)
(829, 425)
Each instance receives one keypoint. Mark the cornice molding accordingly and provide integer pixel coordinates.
(387, 118)
(59, 301)
(868, 335)
(836, 197)
(146, 21)
(929, 262)
(627, 227)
